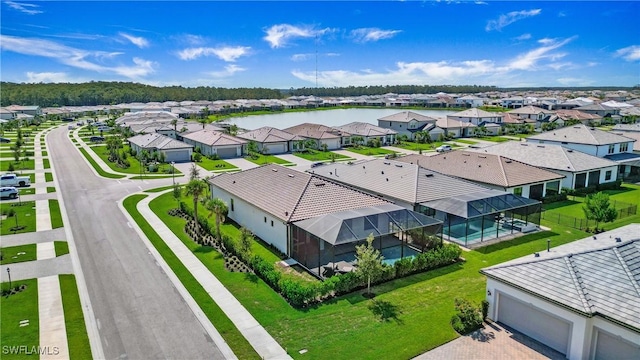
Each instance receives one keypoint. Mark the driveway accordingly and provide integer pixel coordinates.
(495, 341)
(241, 163)
(301, 164)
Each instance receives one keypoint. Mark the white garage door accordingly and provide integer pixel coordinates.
(614, 348)
(534, 323)
(177, 156)
(226, 153)
(276, 148)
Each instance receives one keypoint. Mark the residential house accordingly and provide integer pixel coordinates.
(212, 142)
(6, 114)
(492, 171)
(469, 101)
(599, 109)
(477, 116)
(315, 221)
(322, 135)
(512, 102)
(173, 150)
(584, 117)
(579, 169)
(455, 128)
(271, 140)
(368, 132)
(532, 113)
(408, 123)
(471, 214)
(33, 111)
(580, 299)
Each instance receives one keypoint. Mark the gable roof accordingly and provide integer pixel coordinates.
(449, 123)
(529, 110)
(577, 115)
(291, 195)
(554, 157)
(267, 134)
(485, 168)
(213, 138)
(596, 107)
(157, 141)
(476, 113)
(365, 129)
(315, 131)
(406, 182)
(593, 276)
(581, 134)
(406, 116)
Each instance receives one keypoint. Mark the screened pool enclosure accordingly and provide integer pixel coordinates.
(326, 244)
(482, 216)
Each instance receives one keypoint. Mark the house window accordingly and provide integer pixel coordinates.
(271, 223)
(612, 148)
(389, 123)
(232, 205)
(517, 191)
(624, 147)
(607, 175)
(265, 219)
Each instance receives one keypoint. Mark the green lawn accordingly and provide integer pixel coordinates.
(497, 139)
(56, 217)
(315, 155)
(26, 216)
(213, 165)
(78, 340)
(225, 327)
(51, 189)
(163, 188)
(16, 254)
(18, 165)
(348, 327)
(27, 191)
(414, 146)
(62, 247)
(465, 141)
(44, 153)
(97, 168)
(135, 168)
(370, 151)
(45, 163)
(32, 178)
(267, 159)
(520, 136)
(14, 309)
(48, 177)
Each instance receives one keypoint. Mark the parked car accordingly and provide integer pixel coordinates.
(8, 192)
(10, 179)
(444, 148)
(80, 123)
(70, 127)
(4, 140)
(97, 138)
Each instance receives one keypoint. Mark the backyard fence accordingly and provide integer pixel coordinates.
(624, 210)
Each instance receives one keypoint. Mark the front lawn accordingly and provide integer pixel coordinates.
(135, 167)
(370, 151)
(27, 191)
(315, 155)
(351, 326)
(16, 254)
(414, 146)
(465, 141)
(497, 139)
(214, 165)
(54, 211)
(78, 340)
(25, 217)
(97, 167)
(48, 177)
(61, 247)
(17, 165)
(17, 308)
(266, 159)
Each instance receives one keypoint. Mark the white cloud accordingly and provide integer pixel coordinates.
(530, 59)
(229, 70)
(78, 58)
(280, 35)
(363, 35)
(523, 37)
(509, 18)
(30, 9)
(50, 77)
(226, 53)
(307, 56)
(630, 53)
(138, 41)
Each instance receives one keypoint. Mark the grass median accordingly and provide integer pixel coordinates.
(225, 327)
(54, 211)
(97, 168)
(77, 338)
(16, 309)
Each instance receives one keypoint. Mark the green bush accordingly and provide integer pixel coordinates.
(554, 198)
(197, 157)
(468, 317)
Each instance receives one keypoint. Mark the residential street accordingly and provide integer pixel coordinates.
(139, 313)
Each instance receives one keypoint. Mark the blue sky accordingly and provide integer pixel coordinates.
(278, 44)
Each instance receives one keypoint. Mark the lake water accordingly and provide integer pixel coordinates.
(336, 117)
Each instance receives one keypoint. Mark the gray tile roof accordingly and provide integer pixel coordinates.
(406, 182)
(476, 113)
(581, 134)
(315, 131)
(365, 129)
(213, 138)
(484, 168)
(267, 134)
(553, 157)
(591, 276)
(291, 195)
(449, 123)
(157, 141)
(407, 116)
(530, 110)
(627, 127)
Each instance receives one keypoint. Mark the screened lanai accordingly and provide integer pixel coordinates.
(485, 215)
(326, 244)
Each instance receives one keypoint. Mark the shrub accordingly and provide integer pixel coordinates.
(554, 198)
(213, 157)
(197, 157)
(484, 306)
(468, 317)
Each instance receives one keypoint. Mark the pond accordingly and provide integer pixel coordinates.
(335, 117)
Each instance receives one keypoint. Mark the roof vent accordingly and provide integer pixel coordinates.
(274, 170)
(479, 165)
(291, 175)
(319, 184)
(387, 179)
(363, 167)
(465, 154)
(398, 165)
(429, 175)
(482, 156)
(536, 254)
(524, 144)
(382, 172)
(569, 150)
(508, 161)
(541, 146)
(618, 239)
(385, 162)
(286, 213)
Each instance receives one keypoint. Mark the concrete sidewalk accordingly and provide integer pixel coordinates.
(256, 335)
(37, 269)
(53, 332)
(33, 237)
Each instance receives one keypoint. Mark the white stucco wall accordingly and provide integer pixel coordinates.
(253, 218)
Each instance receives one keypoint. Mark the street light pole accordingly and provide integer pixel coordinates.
(9, 273)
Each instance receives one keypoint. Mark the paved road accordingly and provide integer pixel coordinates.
(139, 313)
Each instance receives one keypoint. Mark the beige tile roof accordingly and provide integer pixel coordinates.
(530, 110)
(157, 141)
(407, 116)
(213, 138)
(476, 113)
(574, 114)
(484, 168)
(365, 129)
(291, 195)
(315, 131)
(581, 134)
(267, 134)
(448, 123)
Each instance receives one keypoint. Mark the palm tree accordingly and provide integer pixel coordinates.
(219, 208)
(194, 172)
(195, 188)
(174, 122)
(203, 121)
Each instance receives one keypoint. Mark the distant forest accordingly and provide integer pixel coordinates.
(111, 93)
